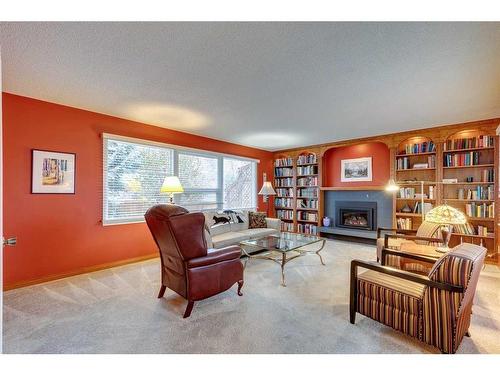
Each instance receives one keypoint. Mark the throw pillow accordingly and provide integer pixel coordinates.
(257, 220)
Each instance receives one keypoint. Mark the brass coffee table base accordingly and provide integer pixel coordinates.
(283, 260)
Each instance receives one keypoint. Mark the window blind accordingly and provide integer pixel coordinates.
(134, 172)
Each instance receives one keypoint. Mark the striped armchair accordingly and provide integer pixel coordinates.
(435, 309)
(426, 234)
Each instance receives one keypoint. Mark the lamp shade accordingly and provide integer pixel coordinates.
(445, 215)
(171, 184)
(267, 189)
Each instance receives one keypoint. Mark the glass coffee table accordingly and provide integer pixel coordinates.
(282, 248)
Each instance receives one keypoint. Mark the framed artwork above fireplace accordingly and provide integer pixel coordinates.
(354, 170)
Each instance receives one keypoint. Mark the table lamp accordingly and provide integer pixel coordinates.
(446, 216)
(266, 191)
(171, 185)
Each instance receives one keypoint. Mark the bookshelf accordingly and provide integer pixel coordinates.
(415, 172)
(284, 185)
(297, 200)
(308, 194)
(470, 158)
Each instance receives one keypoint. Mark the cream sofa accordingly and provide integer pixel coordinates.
(232, 234)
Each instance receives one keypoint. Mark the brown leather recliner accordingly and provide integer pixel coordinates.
(187, 266)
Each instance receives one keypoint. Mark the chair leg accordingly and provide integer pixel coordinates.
(240, 285)
(162, 291)
(189, 308)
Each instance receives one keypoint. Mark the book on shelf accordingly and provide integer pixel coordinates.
(462, 160)
(484, 210)
(308, 216)
(431, 192)
(418, 148)
(284, 214)
(469, 229)
(450, 180)
(488, 175)
(307, 159)
(404, 223)
(306, 203)
(283, 202)
(404, 163)
(284, 192)
(307, 229)
(407, 192)
(480, 141)
(481, 192)
(286, 227)
(283, 162)
(307, 181)
(417, 209)
(308, 193)
(283, 182)
(283, 172)
(307, 170)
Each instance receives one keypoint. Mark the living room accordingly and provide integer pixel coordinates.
(250, 187)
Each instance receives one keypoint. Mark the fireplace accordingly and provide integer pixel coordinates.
(356, 215)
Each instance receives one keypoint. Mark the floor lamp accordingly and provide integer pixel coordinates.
(267, 190)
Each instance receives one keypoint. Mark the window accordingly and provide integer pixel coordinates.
(134, 171)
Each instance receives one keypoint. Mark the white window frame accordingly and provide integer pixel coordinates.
(176, 151)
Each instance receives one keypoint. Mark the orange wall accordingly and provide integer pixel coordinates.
(59, 234)
(380, 164)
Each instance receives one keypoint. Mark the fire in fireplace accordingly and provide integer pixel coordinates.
(356, 215)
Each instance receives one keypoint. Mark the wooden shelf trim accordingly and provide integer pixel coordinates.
(470, 166)
(417, 154)
(468, 150)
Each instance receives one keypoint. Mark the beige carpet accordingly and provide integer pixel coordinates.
(116, 311)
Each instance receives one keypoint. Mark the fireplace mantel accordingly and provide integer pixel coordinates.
(352, 188)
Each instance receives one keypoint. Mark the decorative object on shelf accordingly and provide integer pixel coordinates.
(171, 185)
(326, 221)
(469, 179)
(52, 172)
(354, 170)
(267, 190)
(446, 216)
(406, 209)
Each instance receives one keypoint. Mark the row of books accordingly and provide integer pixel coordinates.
(473, 142)
(480, 192)
(284, 214)
(283, 162)
(404, 163)
(404, 223)
(283, 182)
(488, 175)
(286, 226)
(307, 181)
(308, 216)
(283, 172)
(307, 203)
(307, 229)
(308, 193)
(307, 159)
(418, 148)
(459, 160)
(411, 193)
(480, 210)
(284, 192)
(468, 228)
(283, 202)
(309, 169)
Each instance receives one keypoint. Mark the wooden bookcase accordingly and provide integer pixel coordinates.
(297, 181)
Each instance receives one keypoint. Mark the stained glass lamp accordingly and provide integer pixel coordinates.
(446, 216)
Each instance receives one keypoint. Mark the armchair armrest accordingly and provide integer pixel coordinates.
(403, 254)
(408, 237)
(215, 256)
(273, 223)
(355, 264)
(395, 230)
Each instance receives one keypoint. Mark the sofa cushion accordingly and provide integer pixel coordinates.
(217, 223)
(229, 238)
(259, 232)
(240, 221)
(257, 220)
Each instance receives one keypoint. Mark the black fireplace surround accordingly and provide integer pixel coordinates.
(356, 215)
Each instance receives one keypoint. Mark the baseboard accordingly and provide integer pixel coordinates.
(79, 271)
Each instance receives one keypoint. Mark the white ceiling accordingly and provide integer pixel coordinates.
(268, 85)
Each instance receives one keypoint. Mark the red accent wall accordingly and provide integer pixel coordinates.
(61, 234)
(380, 164)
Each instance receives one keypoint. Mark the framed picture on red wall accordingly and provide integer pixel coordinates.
(354, 170)
(52, 172)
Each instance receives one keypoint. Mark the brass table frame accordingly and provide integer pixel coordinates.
(284, 259)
